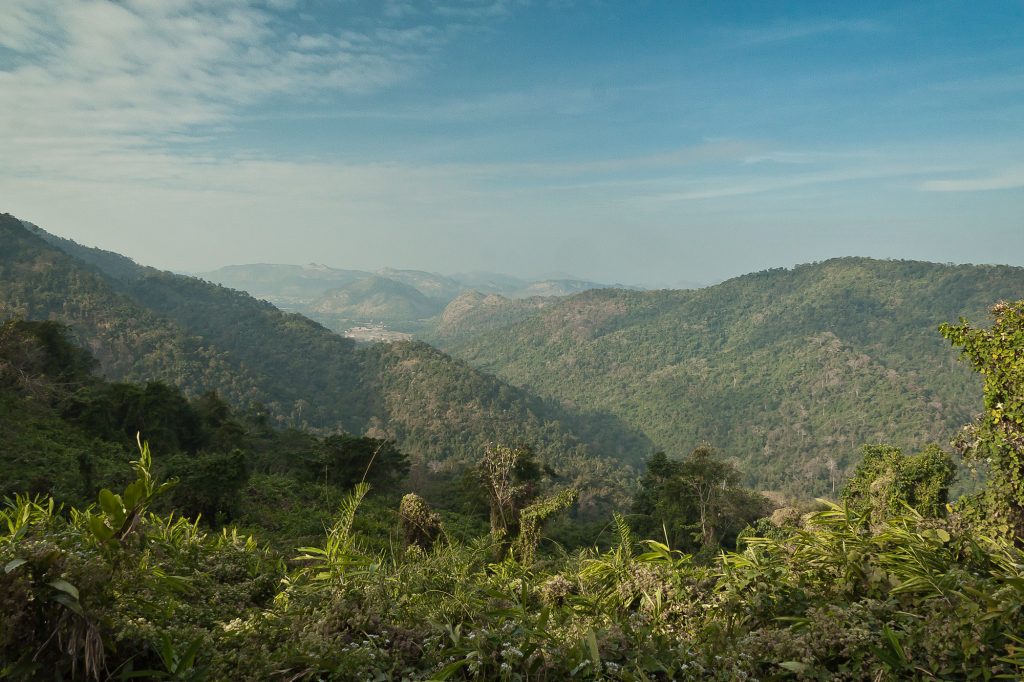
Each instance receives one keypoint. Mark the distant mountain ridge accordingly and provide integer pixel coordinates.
(283, 285)
(789, 370)
(341, 299)
(375, 298)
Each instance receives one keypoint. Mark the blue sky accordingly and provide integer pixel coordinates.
(637, 142)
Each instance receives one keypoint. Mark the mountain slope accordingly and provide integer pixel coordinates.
(375, 298)
(39, 281)
(286, 285)
(473, 313)
(790, 371)
(437, 288)
(147, 324)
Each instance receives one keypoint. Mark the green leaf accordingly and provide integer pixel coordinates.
(134, 493)
(187, 659)
(542, 620)
(113, 507)
(165, 486)
(64, 586)
(100, 529)
(795, 622)
(167, 652)
(450, 669)
(595, 653)
(69, 601)
(311, 550)
(110, 503)
(795, 666)
(13, 564)
(894, 642)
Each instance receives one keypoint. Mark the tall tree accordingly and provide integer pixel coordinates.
(698, 496)
(996, 438)
(887, 480)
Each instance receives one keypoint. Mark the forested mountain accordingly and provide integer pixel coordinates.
(345, 576)
(283, 285)
(375, 298)
(407, 300)
(142, 324)
(517, 287)
(789, 371)
(473, 313)
(158, 578)
(437, 288)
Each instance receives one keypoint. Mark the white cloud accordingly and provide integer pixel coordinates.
(96, 75)
(1009, 179)
(475, 9)
(113, 112)
(797, 30)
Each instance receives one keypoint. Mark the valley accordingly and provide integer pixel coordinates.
(710, 418)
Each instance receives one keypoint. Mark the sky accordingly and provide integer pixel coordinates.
(635, 142)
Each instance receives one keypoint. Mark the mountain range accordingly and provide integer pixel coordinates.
(142, 324)
(788, 372)
(405, 300)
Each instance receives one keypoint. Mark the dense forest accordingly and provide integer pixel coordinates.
(146, 325)
(168, 572)
(788, 371)
(199, 486)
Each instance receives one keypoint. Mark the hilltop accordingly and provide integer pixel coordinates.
(789, 371)
(405, 301)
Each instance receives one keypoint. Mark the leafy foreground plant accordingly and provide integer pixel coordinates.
(840, 598)
(114, 591)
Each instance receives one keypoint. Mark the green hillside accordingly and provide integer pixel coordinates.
(375, 298)
(186, 332)
(472, 313)
(437, 288)
(789, 371)
(106, 577)
(292, 286)
(519, 567)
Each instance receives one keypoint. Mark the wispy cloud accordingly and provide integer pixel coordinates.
(476, 9)
(796, 30)
(103, 76)
(1009, 179)
(797, 170)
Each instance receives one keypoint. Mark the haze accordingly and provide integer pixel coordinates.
(635, 142)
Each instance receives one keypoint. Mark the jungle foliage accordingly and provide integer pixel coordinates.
(894, 584)
(273, 536)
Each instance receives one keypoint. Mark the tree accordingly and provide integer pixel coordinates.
(887, 480)
(996, 438)
(41, 358)
(420, 524)
(510, 476)
(345, 460)
(210, 484)
(699, 496)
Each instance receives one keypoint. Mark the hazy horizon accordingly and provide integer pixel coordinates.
(642, 143)
(534, 276)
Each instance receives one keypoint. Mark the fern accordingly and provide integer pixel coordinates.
(339, 554)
